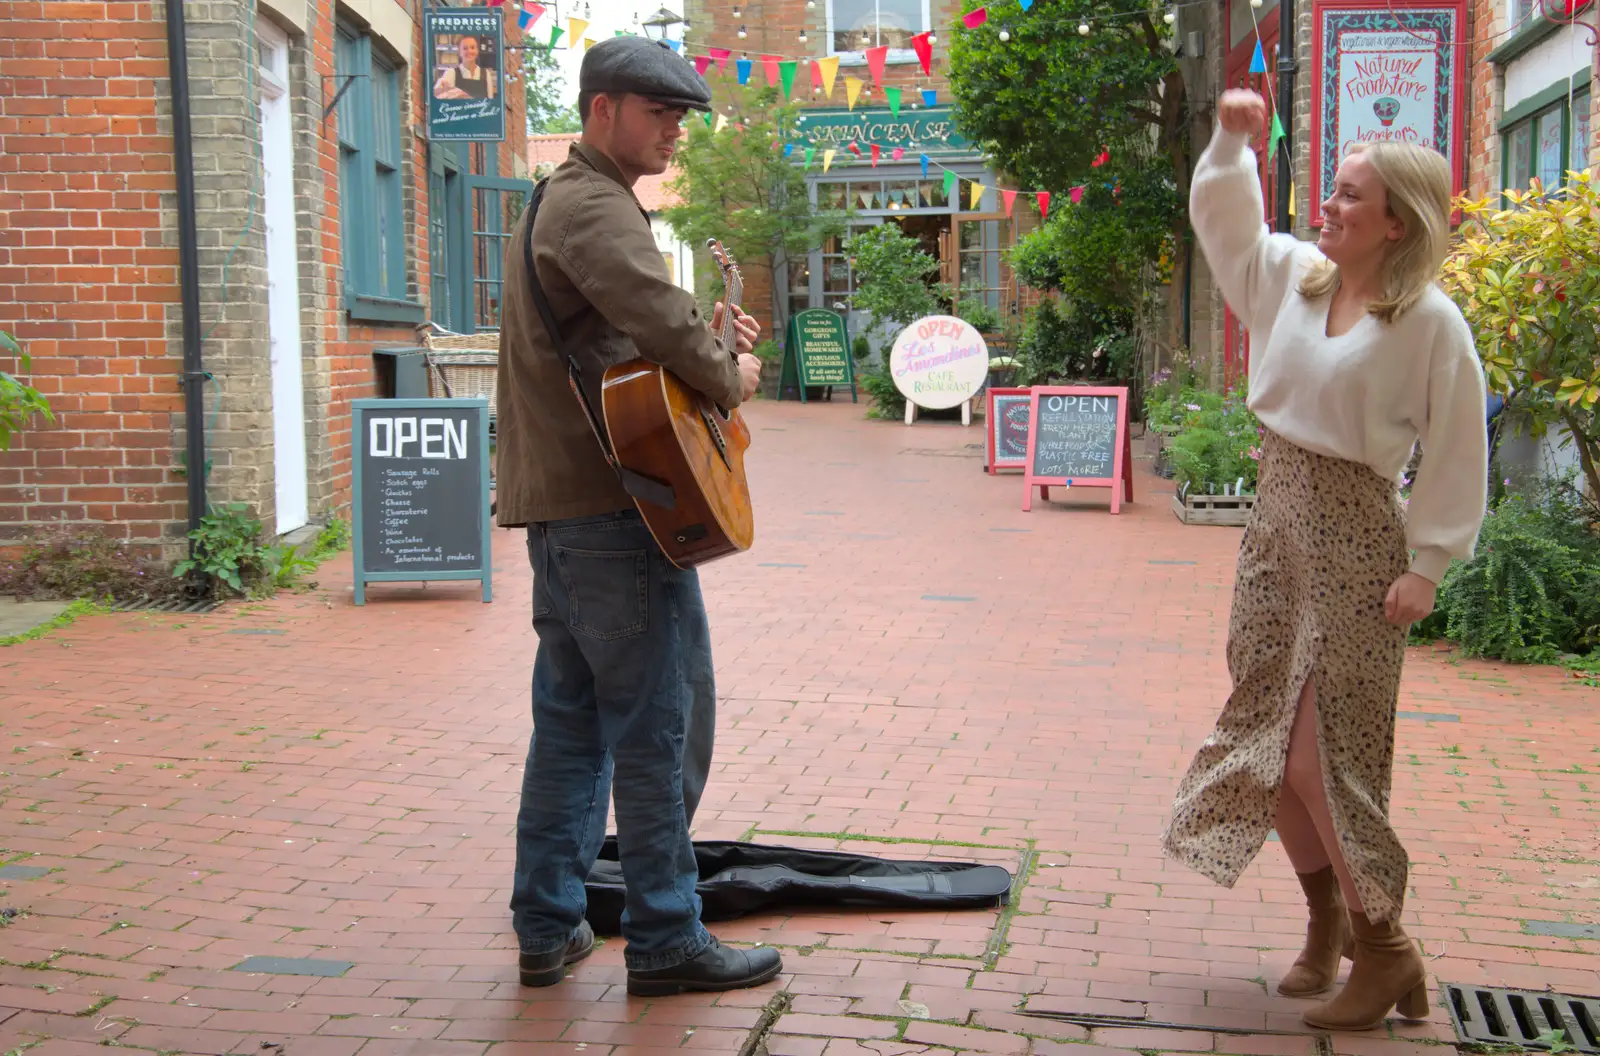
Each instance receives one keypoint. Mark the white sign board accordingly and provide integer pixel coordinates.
(939, 362)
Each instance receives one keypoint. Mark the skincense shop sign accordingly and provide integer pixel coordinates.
(1380, 73)
(928, 130)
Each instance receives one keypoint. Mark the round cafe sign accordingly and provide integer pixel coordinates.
(939, 362)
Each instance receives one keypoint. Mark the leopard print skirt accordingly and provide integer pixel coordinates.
(1323, 545)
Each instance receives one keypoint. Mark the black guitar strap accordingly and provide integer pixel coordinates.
(639, 486)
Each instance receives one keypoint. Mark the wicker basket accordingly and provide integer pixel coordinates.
(463, 365)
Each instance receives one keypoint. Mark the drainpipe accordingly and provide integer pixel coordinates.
(188, 265)
(1288, 44)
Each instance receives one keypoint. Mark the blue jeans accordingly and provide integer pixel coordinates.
(624, 657)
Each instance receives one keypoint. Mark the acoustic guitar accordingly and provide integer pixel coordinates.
(687, 452)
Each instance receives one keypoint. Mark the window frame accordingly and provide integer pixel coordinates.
(371, 141)
(1530, 113)
(858, 56)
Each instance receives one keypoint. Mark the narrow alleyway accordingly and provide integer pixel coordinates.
(909, 665)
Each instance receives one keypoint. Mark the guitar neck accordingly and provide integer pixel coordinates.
(730, 302)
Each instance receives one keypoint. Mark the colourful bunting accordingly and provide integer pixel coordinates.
(924, 159)
(707, 118)
(876, 58)
(701, 64)
(524, 21)
(786, 75)
(830, 70)
(722, 123)
(1044, 204)
(555, 35)
(893, 95)
(949, 184)
(852, 91)
(1105, 156)
(744, 66)
(533, 9)
(1077, 195)
(811, 152)
(974, 19)
(930, 96)
(588, 42)
(788, 148)
(899, 152)
(496, 3)
(816, 74)
(1010, 199)
(977, 196)
(675, 45)
(1258, 61)
(922, 44)
(1291, 199)
(827, 159)
(875, 152)
(576, 28)
(721, 55)
(1277, 134)
(1027, 5)
(852, 148)
(769, 64)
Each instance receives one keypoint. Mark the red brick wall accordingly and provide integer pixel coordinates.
(85, 274)
(1483, 99)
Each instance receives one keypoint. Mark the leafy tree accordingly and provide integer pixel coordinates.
(1527, 278)
(738, 186)
(1049, 103)
(18, 402)
(892, 272)
(541, 86)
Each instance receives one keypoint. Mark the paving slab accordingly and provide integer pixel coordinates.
(907, 665)
(20, 617)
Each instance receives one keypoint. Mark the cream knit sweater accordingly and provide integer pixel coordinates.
(1366, 396)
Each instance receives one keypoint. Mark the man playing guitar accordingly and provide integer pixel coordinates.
(623, 695)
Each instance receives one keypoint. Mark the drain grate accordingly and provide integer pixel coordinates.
(166, 605)
(1529, 1018)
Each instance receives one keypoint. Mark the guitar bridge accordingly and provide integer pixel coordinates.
(716, 436)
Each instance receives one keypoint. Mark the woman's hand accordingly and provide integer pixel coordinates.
(1410, 599)
(1241, 112)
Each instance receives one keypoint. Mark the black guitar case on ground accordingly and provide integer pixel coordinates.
(737, 879)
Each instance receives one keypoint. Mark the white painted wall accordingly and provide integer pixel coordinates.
(1561, 55)
(667, 241)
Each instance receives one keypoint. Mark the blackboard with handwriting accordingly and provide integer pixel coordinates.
(420, 496)
(1078, 435)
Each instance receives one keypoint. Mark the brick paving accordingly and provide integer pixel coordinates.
(909, 665)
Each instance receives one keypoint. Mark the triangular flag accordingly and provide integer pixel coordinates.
(675, 45)
(923, 46)
(876, 57)
(1044, 204)
(744, 66)
(1027, 5)
(852, 148)
(701, 64)
(721, 55)
(893, 95)
(949, 184)
(769, 64)
(830, 69)
(1258, 61)
(531, 8)
(1277, 134)
(788, 148)
(786, 75)
(875, 152)
(1291, 199)
(924, 160)
(899, 152)
(1010, 198)
(816, 74)
(496, 3)
(974, 19)
(588, 42)
(576, 28)
(722, 122)
(1105, 156)
(707, 118)
(1077, 195)
(977, 196)
(524, 20)
(827, 159)
(811, 153)
(930, 96)
(852, 91)
(555, 35)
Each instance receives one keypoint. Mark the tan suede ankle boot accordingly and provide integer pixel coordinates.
(1328, 937)
(1388, 973)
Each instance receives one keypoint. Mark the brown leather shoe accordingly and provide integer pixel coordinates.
(1328, 937)
(1388, 973)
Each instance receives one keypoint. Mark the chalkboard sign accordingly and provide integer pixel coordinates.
(1078, 436)
(420, 495)
(816, 354)
(1007, 421)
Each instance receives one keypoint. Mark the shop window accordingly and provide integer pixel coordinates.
(371, 184)
(1547, 144)
(857, 25)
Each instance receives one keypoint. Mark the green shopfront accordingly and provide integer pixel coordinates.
(967, 238)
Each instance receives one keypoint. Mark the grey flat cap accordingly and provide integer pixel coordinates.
(637, 66)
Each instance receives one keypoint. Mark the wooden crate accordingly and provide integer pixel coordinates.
(1230, 510)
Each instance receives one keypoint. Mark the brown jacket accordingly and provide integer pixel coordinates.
(614, 301)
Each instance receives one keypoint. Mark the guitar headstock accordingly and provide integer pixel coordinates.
(732, 280)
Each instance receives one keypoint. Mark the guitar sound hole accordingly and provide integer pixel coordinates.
(726, 416)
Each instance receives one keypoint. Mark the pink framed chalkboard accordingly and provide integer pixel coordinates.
(1078, 437)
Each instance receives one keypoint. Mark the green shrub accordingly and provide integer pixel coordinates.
(1218, 442)
(229, 549)
(878, 383)
(1532, 590)
(860, 348)
(79, 562)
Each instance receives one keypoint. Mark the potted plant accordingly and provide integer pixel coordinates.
(1214, 457)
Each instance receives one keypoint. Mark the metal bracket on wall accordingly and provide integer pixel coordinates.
(349, 79)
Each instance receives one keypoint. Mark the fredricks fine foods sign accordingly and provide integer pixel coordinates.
(926, 131)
